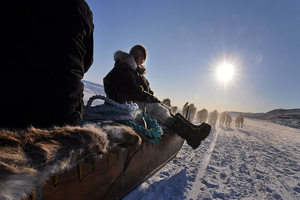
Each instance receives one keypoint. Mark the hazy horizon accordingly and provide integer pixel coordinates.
(100, 91)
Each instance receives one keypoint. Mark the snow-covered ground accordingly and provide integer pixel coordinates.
(259, 161)
(91, 89)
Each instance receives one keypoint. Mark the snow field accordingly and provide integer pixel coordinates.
(260, 161)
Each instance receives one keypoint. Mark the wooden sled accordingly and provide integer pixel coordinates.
(104, 178)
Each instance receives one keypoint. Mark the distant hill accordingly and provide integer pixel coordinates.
(286, 117)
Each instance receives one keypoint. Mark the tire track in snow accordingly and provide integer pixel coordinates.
(202, 168)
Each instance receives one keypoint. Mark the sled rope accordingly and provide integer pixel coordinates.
(123, 113)
(105, 112)
(154, 132)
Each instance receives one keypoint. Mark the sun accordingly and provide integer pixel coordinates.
(225, 72)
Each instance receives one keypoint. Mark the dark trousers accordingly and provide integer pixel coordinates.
(41, 116)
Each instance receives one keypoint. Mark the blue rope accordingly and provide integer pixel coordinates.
(122, 113)
(154, 130)
(115, 111)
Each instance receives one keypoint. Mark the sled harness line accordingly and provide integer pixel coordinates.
(124, 113)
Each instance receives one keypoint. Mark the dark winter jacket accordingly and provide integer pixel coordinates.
(126, 81)
(47, 46)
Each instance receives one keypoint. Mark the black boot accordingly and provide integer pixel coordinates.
(178, 115)
(193, 135)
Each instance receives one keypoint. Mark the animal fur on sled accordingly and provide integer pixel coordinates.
(28, 157)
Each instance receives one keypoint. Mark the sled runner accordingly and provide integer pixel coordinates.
(110, 174)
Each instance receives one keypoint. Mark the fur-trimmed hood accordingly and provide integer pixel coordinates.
(128, 59)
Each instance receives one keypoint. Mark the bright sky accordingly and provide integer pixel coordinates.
(225, 55)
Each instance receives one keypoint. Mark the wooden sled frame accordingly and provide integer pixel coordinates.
(104, 179)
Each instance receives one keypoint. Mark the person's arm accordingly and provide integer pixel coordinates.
(150, 93)
(130, 84)
(128, 81)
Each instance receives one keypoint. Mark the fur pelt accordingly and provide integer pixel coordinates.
(121, 136)
(28, 157)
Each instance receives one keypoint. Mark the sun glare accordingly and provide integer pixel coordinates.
(225, 72)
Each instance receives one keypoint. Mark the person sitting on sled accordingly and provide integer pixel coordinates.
(47, 46)
(126, 82)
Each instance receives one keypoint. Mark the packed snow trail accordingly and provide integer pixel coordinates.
(202, 167)
(260, 161)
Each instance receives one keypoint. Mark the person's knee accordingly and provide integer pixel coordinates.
(158, 112)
